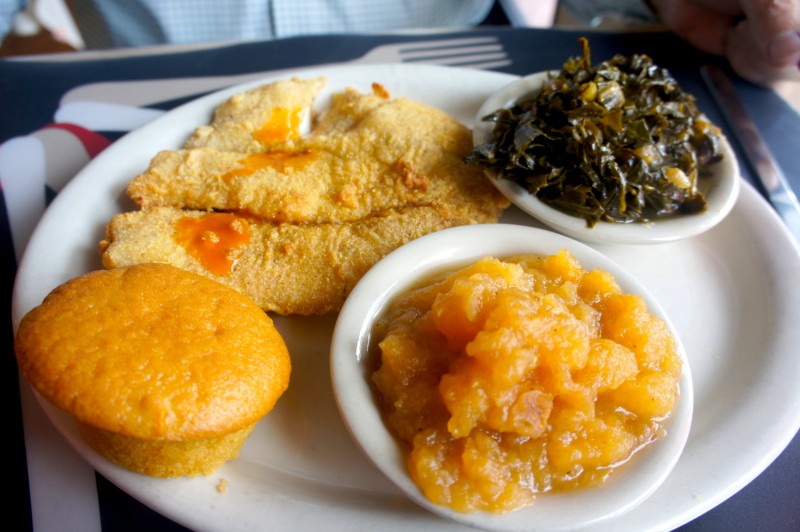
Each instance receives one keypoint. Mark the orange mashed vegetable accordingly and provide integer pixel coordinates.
(510, 378)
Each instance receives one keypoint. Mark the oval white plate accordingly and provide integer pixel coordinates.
(731, 292)
(352, 365)
(721, 188)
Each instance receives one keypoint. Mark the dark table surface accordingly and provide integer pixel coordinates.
(30, 92)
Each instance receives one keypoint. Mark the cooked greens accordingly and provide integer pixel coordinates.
(618, 142)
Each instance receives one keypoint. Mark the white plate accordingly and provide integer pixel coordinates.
(720, 189)
(732, 293)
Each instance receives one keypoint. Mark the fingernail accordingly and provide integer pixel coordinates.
(784, 49)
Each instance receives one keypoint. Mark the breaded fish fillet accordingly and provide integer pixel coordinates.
(284, 268)
(266, 115)
(337, 179)
(367, 154)
(293, 221)
(347, 107)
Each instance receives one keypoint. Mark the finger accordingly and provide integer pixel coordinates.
(747, 59)
(775, 29)
(732, 8)
(702, 26)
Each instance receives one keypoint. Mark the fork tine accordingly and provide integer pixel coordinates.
(451, 51)
(484, 65)
(456, 59)
(449, 43)
(475, 52)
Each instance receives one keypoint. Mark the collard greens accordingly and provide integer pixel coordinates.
(618, 142)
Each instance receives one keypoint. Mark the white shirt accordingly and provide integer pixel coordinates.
(128, 23)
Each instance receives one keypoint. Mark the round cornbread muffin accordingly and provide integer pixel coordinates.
(165, 371)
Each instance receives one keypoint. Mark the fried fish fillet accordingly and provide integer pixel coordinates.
(260, 117)
(368, 154)
(347, 107)
(294, 221)
(284, 268)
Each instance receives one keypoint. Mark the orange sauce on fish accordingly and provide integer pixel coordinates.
(282, 125)
(215, 239)
(283, 162)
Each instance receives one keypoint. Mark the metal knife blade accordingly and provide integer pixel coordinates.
(760, 159)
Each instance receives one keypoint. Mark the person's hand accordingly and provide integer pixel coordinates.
(760, 38)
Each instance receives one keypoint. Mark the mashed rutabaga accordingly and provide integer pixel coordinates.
(510, 378)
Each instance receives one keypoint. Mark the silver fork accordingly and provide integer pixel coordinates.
(470, 52)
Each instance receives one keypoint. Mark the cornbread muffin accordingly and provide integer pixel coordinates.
(166, 372)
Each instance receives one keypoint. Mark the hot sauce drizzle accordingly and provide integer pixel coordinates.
(283, 162)
(282, 125)
(215, 239)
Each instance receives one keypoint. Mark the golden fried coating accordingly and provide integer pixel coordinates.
(293, 221)
(368, 155)
(165, 371)
(347, 107)
(284, 268)
(269, 114)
